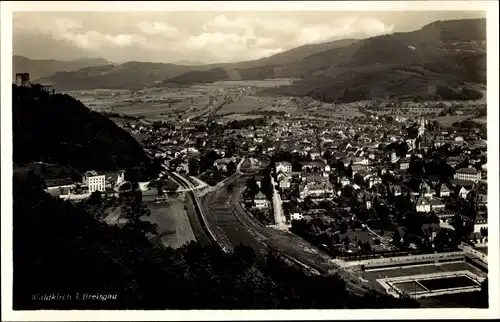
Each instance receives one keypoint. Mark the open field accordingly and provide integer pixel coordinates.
(450, 119)
(257, 83)
(243, 105)
(173, 223)
(156, 104)
(481, 120)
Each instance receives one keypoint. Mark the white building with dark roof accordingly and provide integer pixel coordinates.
(261, 201)
(284, 166)
(94, 181)
(468, 174)
(423, 205)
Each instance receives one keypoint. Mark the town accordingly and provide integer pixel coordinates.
(376, 187)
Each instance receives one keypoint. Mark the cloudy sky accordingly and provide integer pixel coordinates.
(206, 37)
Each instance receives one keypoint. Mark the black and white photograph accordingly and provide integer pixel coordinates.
(249, 157)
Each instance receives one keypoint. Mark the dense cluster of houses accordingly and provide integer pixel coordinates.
(368, 148)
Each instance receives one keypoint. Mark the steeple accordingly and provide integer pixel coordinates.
(421, 129)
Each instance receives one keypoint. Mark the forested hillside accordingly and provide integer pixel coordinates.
(62, 248)
(56, 128)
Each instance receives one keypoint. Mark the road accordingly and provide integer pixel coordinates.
(279, 217)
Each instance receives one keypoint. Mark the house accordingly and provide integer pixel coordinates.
(56, 184)
(315, 165)
(360, 161)
(482, 199)
(394, 157)
(258, 178)
(444, 191)
(373, 181)
(285, 167)
(94, 181)
(468, 174)
(315, 189)
(221, 164)
(284, 183)
(463, 193)
(430, 231)
(480, 223)
(428, 193)
(114, 178)
(437, 204)
(344, 181)
(358, 168)
(182, 168)
(313, 177)
(315, 154)
(282, 175)
(404, 164)
(423, 205)
(260, 201)
(395, 190)
(296, 214)
(61, 192)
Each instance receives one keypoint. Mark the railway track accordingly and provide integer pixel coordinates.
(212, 230)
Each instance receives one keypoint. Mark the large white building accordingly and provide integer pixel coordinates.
(285, 167)
(468, 174)
(260, 201)
(94, 181)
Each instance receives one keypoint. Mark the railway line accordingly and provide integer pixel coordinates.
(227, 212)
(209, 228)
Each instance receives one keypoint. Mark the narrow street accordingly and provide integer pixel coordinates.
(279, 216)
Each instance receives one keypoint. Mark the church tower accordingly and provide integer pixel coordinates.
(421, 129)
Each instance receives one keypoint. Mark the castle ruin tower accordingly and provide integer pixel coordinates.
(19, 79)
(23, 79)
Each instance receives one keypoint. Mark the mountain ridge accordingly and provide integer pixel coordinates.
(438, 52)
(40, 68)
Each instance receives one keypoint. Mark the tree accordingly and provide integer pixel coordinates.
(396, 237)
(194, 167)
(134, 211)
(95, 198)
(231, 167)
(267, 186)
(349, 170)
(252, 188)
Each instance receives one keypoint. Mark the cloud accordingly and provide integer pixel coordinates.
(274, 33)
(157, 28)
(73, 31)
(206, 36)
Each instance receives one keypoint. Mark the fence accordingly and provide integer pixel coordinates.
(394, 261)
